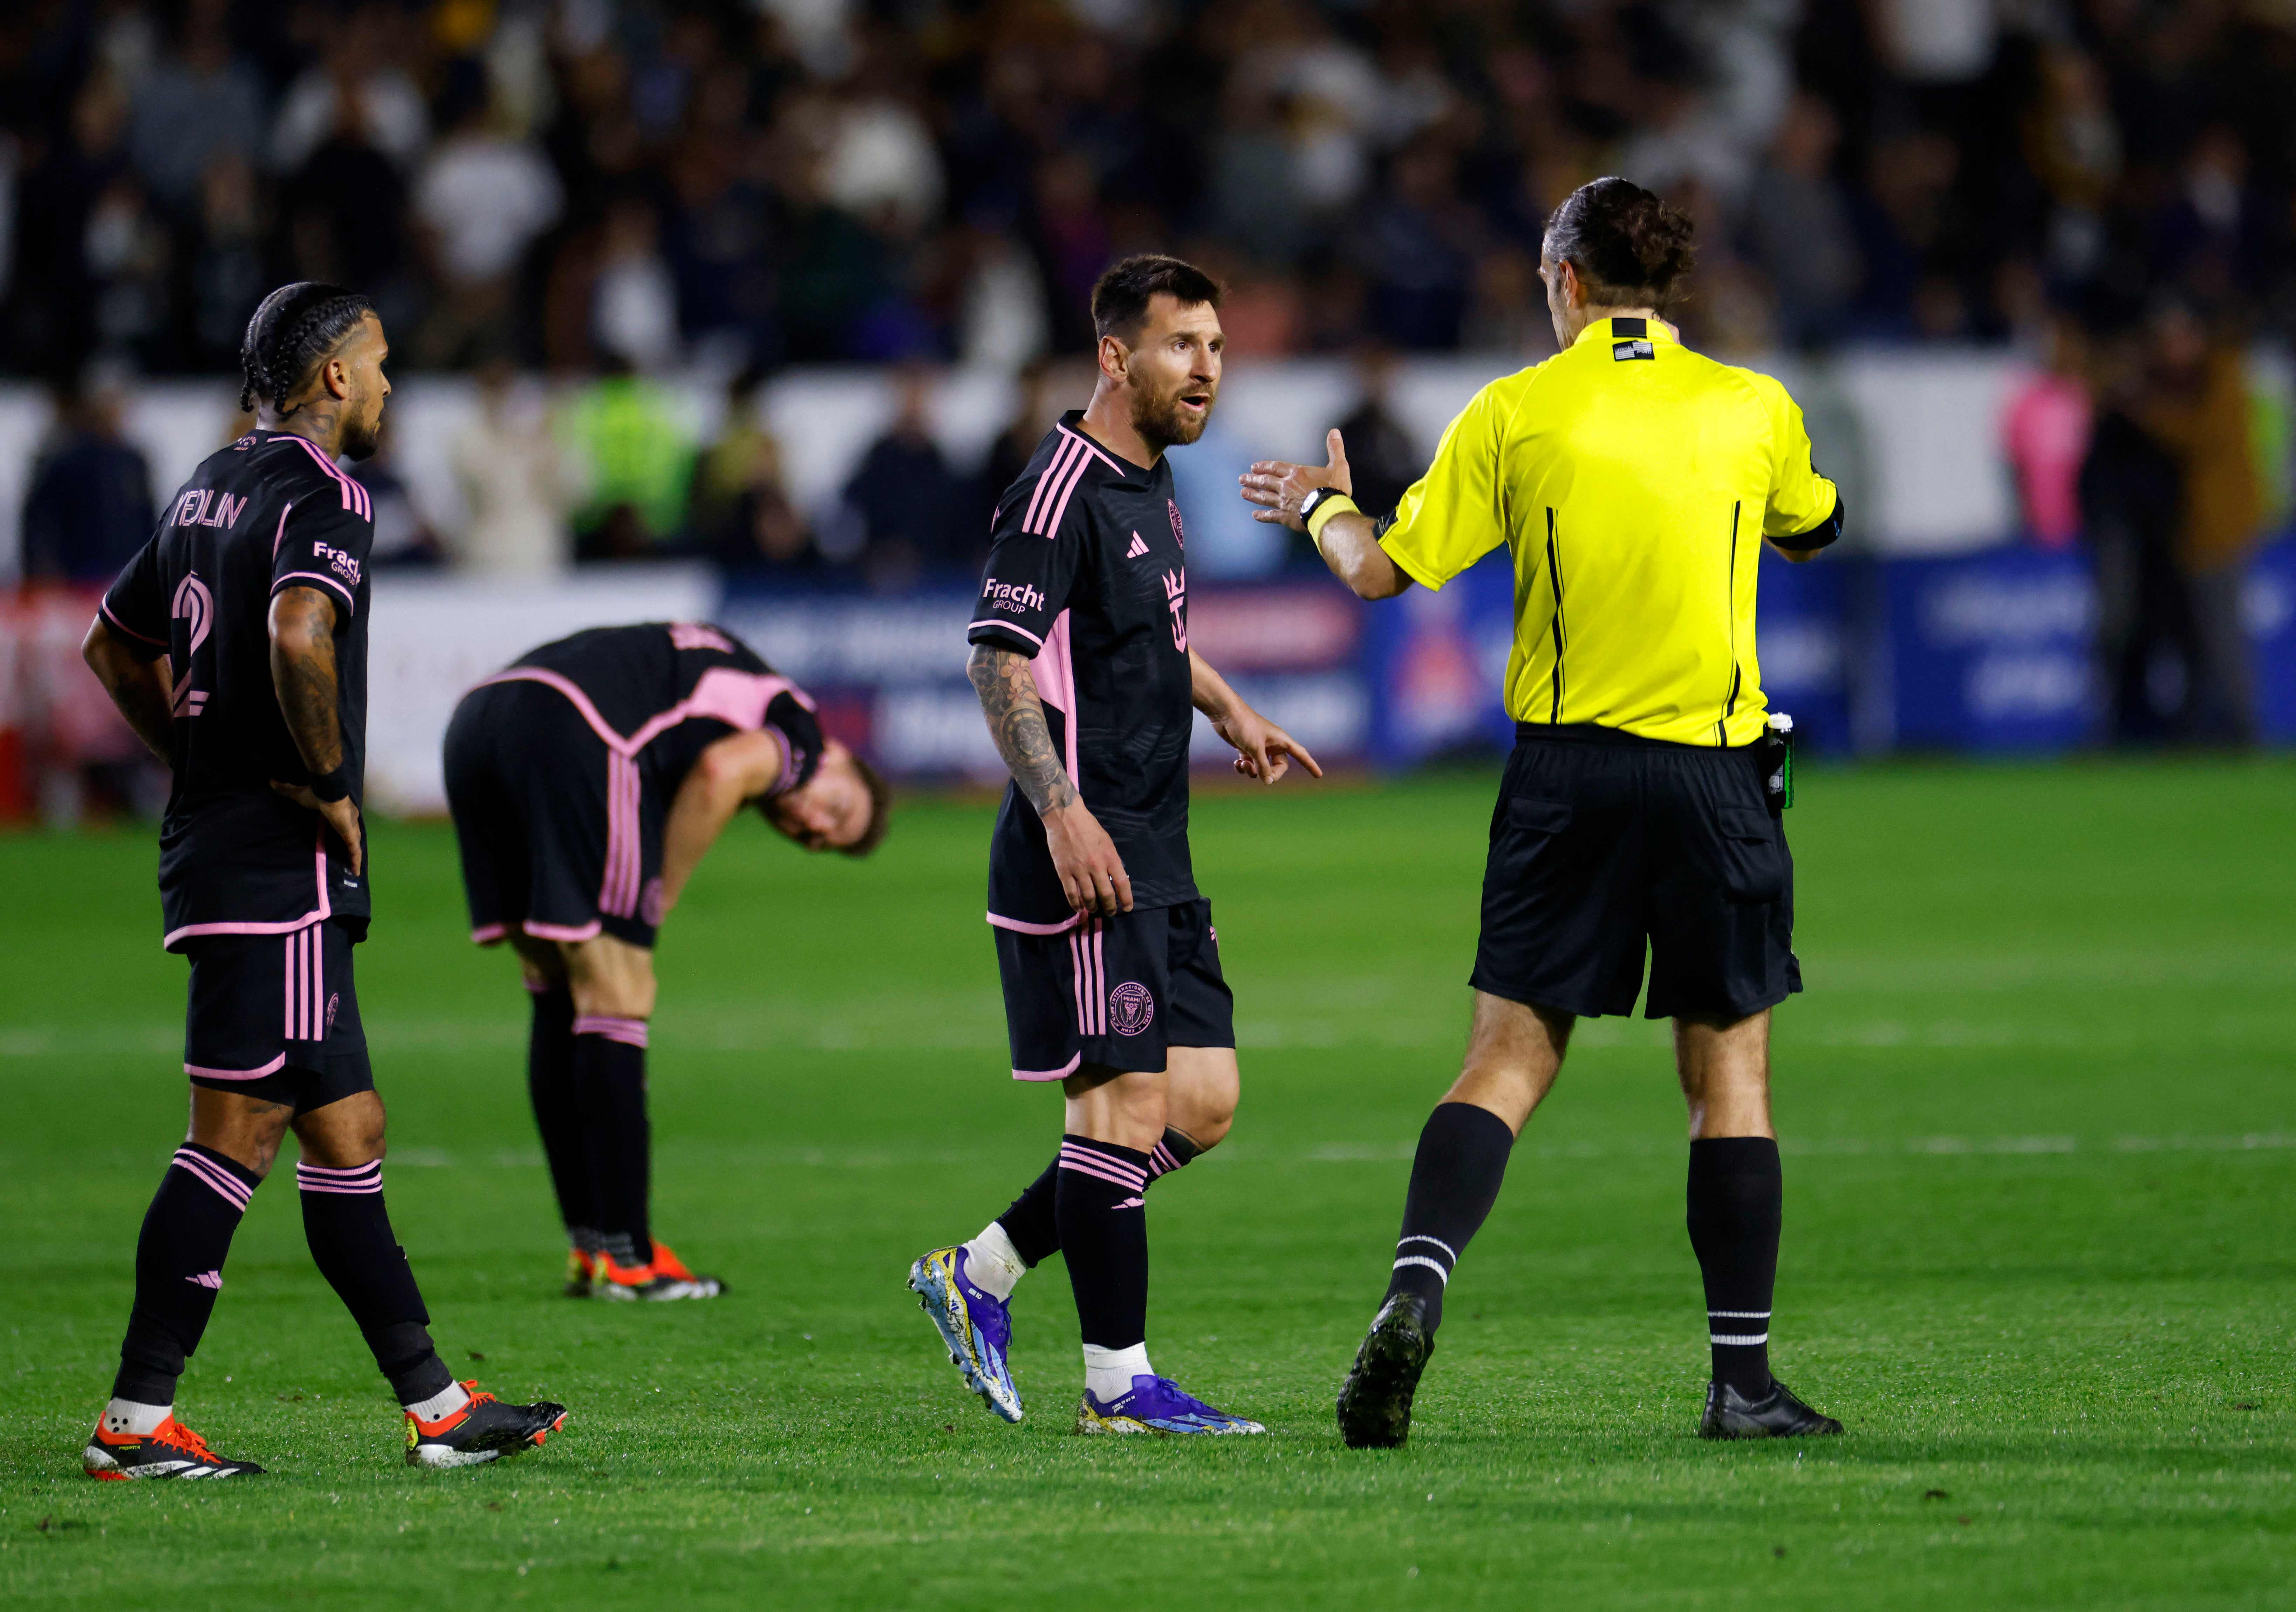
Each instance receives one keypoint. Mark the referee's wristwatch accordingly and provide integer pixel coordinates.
(1317, 510)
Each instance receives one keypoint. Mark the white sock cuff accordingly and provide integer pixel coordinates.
(128, 1416)
(996, 1243)
(447, 1401)
(1109, 1373)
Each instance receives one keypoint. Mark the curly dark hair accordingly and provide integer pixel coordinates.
(295, 329)
(1630, 249)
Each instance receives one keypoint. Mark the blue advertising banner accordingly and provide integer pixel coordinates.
(1989, 652)
(2268, 610)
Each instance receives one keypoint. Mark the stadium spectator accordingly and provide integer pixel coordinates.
(806, 181)
(2198, 408)
(2132, 500)
(903, 497)
(635, 455)
(2044, 431)
(89, 507)
(513, 480)
(483, 196)
(403, 537)
(741, 515)
(201, 101)
(1385, 458)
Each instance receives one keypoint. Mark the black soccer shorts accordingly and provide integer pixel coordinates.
(1114, 992)
(277, 1017)
(558, 836)
(1603, 842)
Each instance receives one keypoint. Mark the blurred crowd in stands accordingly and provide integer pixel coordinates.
(604, 192)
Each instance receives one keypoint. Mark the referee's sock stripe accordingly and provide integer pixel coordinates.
(1436, 1265)
(1449, 1252)
(1737, 1340)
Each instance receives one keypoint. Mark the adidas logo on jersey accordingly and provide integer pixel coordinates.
(1137, 549)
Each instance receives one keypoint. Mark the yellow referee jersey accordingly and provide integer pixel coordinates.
(1634, 480)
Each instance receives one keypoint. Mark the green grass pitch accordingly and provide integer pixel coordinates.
(2040, 1129)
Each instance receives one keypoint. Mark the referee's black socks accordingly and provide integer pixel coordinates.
(1736, 1199)
(1454, 1181)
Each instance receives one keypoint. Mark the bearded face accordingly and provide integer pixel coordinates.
(1174, 371)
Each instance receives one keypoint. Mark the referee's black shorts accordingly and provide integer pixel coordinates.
(1603, 842)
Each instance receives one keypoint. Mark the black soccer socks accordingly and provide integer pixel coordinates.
(1104, 1235)
(1032, 1222)
(550, 1085)
(1454, 1181)
(1737, 1201)
(610, 1094)
(179, 1259)
(348, 1228)
(1033, 1227)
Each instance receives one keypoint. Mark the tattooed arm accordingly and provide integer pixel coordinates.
(1092, 874)
(303, 674)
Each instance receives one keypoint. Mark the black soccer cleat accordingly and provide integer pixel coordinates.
(1376, 1400)
(483, 1429)
(1730, 1414)
(171, 1451)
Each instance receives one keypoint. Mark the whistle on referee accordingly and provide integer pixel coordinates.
(1775, 755)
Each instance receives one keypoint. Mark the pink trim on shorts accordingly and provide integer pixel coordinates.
(318, 915)
(272, 1067)
(1063, 1072)
(489, 934)
(571, 933)
(1018, 928)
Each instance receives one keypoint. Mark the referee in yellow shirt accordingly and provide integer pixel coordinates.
(1635, 482)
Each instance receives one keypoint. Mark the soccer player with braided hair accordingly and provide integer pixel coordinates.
(235, 644)
(1635, 482)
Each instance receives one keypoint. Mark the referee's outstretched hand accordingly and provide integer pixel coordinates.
(1280, 487)
(1092, 874)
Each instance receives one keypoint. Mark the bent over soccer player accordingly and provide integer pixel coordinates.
(586, 780)
(235, 645)
(1635, 482)
(1110, 965)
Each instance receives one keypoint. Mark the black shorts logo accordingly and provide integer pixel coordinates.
(1130, 1008)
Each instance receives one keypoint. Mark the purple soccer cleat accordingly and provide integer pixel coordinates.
(1156, 1404)
(975, 1325)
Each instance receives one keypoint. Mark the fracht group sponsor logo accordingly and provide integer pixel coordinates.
(1017, 597)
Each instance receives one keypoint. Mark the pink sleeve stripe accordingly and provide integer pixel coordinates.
(629, 1032)
(574, 933)
(355, 497)
(279, 536)
(1059, 506)
(1053, 472)
(280, 582)
(1020, 632)
(1018, 928)
(104, 605)
(1063, 1072)
(1092, 447)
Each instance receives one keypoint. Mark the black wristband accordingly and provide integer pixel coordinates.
(330, 787)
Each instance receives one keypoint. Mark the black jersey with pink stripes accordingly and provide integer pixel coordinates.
(1088, 576)
(662, 693)
(268, 513)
